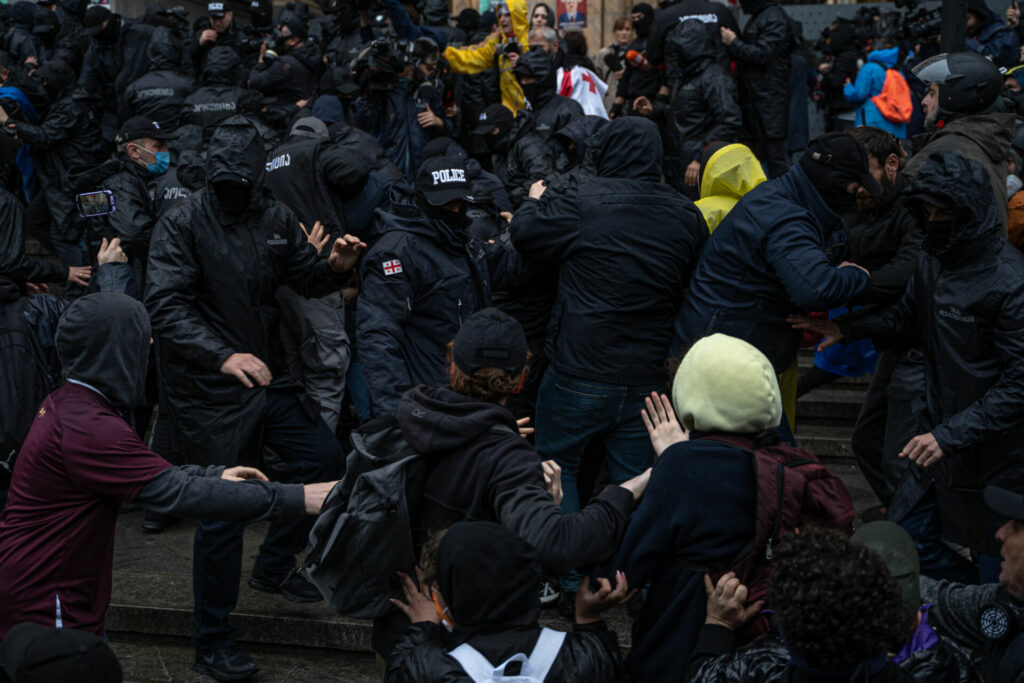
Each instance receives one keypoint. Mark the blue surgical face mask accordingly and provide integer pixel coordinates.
(161, 162)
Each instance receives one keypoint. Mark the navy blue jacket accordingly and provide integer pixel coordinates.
(767, 259)
(624, 245)
(671, 526)
(420, 280)
(997, 41)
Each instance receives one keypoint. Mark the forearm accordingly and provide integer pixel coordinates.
(197, 492)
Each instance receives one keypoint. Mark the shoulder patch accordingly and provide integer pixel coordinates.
(392, 267)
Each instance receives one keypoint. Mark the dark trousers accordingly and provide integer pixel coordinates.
(309, 453)
(889, 417)
(774, 155)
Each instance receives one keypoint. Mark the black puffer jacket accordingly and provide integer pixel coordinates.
(552, 112)
(713, 15)
(160, 94)
(220, 94)
(14, 262)
(523, 160)
(421, 279)
(289, 78)
(842, 46)
(704, 106)
(762, 70)
(616, 334)
(573, 145)
(210, 293)
(767, 661)
(965, 305)
(18, 40)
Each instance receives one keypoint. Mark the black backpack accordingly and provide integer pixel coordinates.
(365, 532)
(24, 381)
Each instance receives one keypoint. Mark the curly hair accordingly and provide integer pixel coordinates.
(834, 600)
(493, 385)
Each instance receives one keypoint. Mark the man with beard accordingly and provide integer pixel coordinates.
(990, 37)
(762, 71)
(884, 237)
(962, 86)
(420, 280)
(965, 306)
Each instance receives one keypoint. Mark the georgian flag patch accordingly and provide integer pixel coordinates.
(392, 267)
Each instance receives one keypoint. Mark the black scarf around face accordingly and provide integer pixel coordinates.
(109, 35)
(830, 184)
(454, 220)
(489, 577)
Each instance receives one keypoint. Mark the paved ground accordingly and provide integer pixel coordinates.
(150, 617)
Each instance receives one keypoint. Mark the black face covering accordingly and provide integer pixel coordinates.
(534, 92)
(108, 36)
(831, 185)
(455, 220)
(937, 234)
(232, 196)
(643, 26)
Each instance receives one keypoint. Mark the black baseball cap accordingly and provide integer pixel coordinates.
(92, 21)
(216, 9)
(442, 179)
(143, 127)
(494, 115)
(1005, 502)
(490, 339)
(846, 155)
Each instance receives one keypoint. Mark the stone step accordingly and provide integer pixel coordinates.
(828, 442)
(830, 403)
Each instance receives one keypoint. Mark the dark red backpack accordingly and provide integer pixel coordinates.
(794, 490)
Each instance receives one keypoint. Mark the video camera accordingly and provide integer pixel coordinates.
(378, 66)
(919, 23)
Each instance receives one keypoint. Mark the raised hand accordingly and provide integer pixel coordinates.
(111, 252)
(316, 236)
(727, 602)
(660, 419)
(345, 253)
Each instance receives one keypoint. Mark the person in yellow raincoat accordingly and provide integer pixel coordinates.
(729, 172)
(514, 24)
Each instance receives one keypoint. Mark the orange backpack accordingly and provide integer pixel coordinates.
(894, 102)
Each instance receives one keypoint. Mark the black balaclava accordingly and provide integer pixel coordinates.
(502, 141)
(830, 184)
(454, 220)
(109, 35)
(643, 27)
(469, 557)
(233, 196)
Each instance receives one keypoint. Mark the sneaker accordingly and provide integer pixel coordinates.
(567, 605)
(225, 664)
(292, 585)
(154, 523)
(548, 593)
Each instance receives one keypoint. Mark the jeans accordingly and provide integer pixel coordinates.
(571, 413)
(310, 453)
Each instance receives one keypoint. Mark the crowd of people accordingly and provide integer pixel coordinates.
(551, 300)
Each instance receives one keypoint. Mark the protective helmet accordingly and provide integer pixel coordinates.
(968, 83)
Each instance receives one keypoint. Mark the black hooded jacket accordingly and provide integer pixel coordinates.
(965, 306)
(574, 144)
(762, 60)
(160, 94)
(497, 619)
(477, 473)
(552, 112)
(704, 106)
(842, 45)
(14, 262)
(623, 224)
(421, 279)
(18, 40)
(523, 159)
(291, 77)
(713, 15)
(210, 293)
(220, 94)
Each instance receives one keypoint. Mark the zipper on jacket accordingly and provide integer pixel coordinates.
(460, 312)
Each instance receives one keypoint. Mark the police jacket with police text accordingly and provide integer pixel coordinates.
(160, 94)
(420, 280)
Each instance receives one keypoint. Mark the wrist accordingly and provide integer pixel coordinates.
(712, 620)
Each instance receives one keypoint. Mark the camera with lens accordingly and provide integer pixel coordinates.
(378, 66)
(922, 24)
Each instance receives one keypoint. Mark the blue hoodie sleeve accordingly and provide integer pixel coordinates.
(861, 89)
(404, 28)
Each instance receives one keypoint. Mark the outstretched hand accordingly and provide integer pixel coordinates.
(726, 602)
(316, 236)
(660, 419)
(826, 328)
(345, 253)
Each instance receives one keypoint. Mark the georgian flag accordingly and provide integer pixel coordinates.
(392, 267)
(584, 86)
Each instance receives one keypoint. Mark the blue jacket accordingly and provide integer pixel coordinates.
(767, 259)
(997, 41)
(870, 80)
